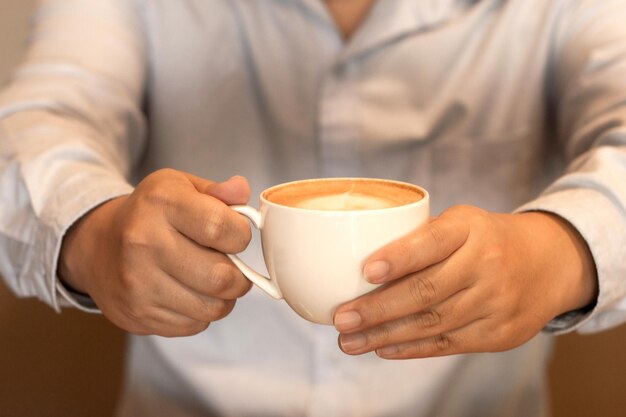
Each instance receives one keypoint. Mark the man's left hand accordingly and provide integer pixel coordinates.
(468, 281)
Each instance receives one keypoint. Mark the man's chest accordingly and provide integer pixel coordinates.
(475, 76)
(422, 103)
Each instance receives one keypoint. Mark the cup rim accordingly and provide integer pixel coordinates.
(424, 200)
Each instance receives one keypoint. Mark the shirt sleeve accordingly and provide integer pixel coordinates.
(587, 81)
(70, 127)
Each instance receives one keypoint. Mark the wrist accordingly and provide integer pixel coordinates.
(563, 259)
(82, 241)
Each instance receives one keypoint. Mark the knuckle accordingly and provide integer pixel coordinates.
(246, 285)
(437, 236)
(214, 227)
(222, 278)
(165, 172)
(417, 349)
(243, 237)
(131, 286)
(188, 328)
(133, 237)
(422, 291)
(428, 319)
(372, 309)
(493, 255)
(123, 321)
(225, 308)
(442, 342)
(157, 195)
(133, 327)
(505, 338)
(493, 263)
(378, 310)
(217, 309)
(462, 215)
(466, 210)
(159, 176)
(379, 337)
(196, 327)
(137, 313)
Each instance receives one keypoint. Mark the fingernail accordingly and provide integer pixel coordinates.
(347, 320)
(387, 351)
(376, 271)
(353, 341)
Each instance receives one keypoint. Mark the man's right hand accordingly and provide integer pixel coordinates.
(154, 262)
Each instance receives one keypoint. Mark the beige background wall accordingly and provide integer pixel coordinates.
(70, 364)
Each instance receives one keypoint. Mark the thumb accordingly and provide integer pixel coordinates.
(234, 190)
(423, 247)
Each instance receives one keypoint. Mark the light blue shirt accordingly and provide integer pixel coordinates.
(481, 102)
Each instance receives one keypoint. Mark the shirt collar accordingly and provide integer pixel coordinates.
(390, 20)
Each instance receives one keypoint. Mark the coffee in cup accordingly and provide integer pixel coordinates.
(343, 194)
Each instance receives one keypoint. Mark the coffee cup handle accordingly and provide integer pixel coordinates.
(265, 283)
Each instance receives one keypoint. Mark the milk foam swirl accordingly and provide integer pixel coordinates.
(345, 201)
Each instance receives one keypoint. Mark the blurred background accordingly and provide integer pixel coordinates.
(70, 364)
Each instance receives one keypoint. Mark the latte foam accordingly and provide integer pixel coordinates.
(344, 194)
(345, 201)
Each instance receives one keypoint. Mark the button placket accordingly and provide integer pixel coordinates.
(338, 129)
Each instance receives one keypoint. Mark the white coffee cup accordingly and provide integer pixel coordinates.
(315, 246)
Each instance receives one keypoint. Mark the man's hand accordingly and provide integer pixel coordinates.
(468, 281)
(154, 261)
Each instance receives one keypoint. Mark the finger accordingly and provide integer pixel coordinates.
(205, 270)
(490, 333)
(235, 190)
(204, 309)
(455, 312)
(168, 323)
(209, 222)
(440, 345)
(426, 246)
(412, 294)
(153, 321)
(470, 338)
(169, 294)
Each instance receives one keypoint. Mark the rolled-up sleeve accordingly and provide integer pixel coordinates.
(70, 128)
(588, 86)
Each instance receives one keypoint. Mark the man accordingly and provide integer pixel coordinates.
(474, 100)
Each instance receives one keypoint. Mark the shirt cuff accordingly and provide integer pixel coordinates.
(601, 224)
(72, 211)
(71, 298)
(567, 322)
